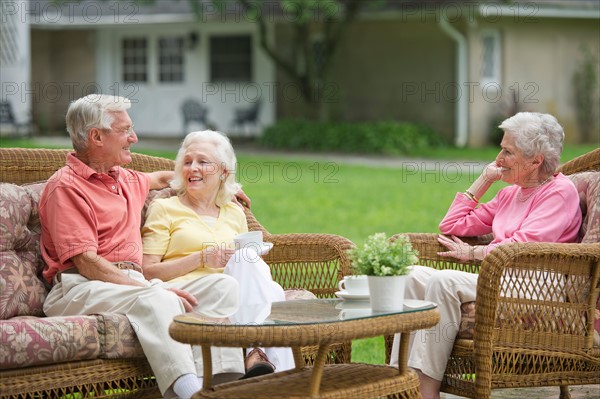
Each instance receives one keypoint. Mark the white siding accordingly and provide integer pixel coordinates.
(156, 109)
(14, 60)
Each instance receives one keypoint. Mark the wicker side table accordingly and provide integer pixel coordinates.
(309, 322)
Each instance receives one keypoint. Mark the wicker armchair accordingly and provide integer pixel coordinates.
(314, 262)
(529, 331)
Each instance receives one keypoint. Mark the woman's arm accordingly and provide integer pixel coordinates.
(490, 174)
(154, 268)
(211, 257)
(554, 217)
(464, 218)
(162, 219)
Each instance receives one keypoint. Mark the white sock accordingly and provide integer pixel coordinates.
(187, 385)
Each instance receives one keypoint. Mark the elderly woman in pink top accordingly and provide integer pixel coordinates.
(538, 206)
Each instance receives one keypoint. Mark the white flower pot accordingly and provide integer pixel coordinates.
(387, 293)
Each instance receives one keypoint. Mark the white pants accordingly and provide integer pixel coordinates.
(430, 349)
(257, 292)
(150, 311)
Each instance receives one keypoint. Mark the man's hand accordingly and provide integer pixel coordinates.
(187, 299)
(160, 179)
(242, 199)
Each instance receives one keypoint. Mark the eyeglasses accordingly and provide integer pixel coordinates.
(128, 131)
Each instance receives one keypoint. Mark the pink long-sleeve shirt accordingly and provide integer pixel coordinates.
(550, 214)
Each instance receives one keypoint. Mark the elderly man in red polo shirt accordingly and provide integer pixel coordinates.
(90, 213)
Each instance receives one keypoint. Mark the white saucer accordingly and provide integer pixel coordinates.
(347, 296)
(417, 304)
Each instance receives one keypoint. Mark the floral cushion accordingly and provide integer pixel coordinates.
(44, 340)
(588, 186)
(22, 293)
(155, 194)
(298, 294)
(117, 337)
(35, 341)
(467, 320)
(29, 341)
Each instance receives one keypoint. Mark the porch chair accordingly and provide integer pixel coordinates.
(7, 117)
(519, 341)
(246, 116)
(193, 111)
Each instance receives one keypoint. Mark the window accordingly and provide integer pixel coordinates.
(170, 59)
(231, 58)
(490, 63)
(135, 60)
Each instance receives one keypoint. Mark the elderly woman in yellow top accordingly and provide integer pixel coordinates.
(191, 234)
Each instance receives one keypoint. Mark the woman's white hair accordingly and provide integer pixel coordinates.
(92, 111)
(537, 133)
(225, 155)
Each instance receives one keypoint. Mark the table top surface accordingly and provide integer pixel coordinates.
(301, 323)
(311, 311)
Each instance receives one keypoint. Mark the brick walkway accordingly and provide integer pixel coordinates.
(577, 392)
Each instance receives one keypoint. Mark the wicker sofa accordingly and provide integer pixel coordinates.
(99, 355)
(518, 341)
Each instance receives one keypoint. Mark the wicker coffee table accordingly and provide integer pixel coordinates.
(321, 322)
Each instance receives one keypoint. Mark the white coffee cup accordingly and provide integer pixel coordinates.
(251, 238)
(355, 285)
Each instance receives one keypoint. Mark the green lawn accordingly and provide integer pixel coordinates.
(354, 201)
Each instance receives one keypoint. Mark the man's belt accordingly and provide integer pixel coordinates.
(119, 265)
(128, 266)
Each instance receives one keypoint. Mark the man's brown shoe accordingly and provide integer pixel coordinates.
(257, 363)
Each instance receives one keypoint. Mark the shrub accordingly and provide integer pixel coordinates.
(379, 256)
(386, 137)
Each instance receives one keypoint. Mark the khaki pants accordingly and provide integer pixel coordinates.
(150, 311)
(431, 348)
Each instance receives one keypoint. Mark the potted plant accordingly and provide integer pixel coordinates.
(385, 262)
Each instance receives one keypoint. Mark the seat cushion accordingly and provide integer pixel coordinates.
(467, 321)
(34, 341)
(588, 187)
(37, 341)
(117, 337)
(298, 294)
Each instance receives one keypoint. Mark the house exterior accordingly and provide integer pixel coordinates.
(460, 67)
(158, 57)
(456, 66)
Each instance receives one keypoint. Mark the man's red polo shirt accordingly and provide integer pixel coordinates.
(82, 210)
